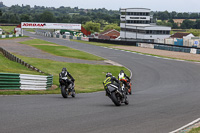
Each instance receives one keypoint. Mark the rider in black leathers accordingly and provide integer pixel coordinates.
(65, 73)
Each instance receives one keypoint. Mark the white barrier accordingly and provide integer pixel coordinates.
(145, 45)
(34, 82)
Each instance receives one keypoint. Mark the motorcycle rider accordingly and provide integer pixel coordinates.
(121, 76)
(111, 80)
(65, 74)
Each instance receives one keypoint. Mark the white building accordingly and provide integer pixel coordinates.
(1, 31)
(137, 24)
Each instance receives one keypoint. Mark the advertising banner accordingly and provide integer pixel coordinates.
(18, 31)
(36, 25)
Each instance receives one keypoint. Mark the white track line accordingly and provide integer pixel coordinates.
(149, 55)
(186, 126)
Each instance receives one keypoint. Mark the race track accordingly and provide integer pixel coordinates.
(165, 97)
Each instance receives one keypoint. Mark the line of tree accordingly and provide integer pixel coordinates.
(186, 24)
(175, 15)
(17, 14)
(110, 18)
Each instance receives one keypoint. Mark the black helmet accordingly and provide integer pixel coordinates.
(64, 69)
(108, 74)
(122, 71)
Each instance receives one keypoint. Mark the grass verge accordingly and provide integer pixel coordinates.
(8, 28)
(8, 66)
(89, 78)
(195, 130)
(59, 50)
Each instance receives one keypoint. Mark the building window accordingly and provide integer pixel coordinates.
(123, 13)
(134, 18)
(142, 17)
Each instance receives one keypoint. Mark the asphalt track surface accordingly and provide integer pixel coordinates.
(166, 95)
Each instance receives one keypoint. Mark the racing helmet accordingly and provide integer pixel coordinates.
(64, 69)
(122, 71)
(108, 74)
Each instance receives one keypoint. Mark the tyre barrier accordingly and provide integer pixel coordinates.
(13, 81)
(10, 36)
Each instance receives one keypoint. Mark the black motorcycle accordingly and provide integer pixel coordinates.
(117, 96)
(67, 89)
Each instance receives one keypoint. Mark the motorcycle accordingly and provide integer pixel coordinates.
(67, 89)
(124, 81)
(118, 97)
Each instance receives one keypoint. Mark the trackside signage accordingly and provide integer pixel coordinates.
(36, 25)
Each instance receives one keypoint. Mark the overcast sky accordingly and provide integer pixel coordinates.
(154, 5)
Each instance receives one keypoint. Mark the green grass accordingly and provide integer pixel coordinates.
(59, 50)
(8, 28)
(8, 66)
(89, 78)
(30, 30)
(195, 130)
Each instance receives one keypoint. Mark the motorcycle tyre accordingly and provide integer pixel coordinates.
(114, 99)
(64, 92)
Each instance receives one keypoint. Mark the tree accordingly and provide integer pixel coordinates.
(112, 26)
(180, 15)
(186, 15)
(25, 18)
(91, 26)
(197, 24)
(187, 24)
(173, 15)
(47, 17)
(173, 25)
(0, 12)
(194, 16)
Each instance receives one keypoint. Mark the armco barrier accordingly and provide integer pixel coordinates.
(18, 60)
(9, 81)
(118, 42)
(24, 81)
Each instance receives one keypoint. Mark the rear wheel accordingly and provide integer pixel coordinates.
(115, 99)
(130, 91)
(64, 91)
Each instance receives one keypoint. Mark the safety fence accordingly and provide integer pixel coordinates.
(186, 49)
(170, 48)
(18, 60)
(10, 36)
(12, 81)
(117, 42)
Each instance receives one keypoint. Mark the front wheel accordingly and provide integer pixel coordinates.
(73, 93)
(115, 99)
(64, 91)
